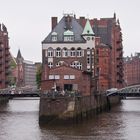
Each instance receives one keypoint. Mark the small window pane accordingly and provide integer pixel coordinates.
(57, 76)
(72, 76)
(66, 76)
(51, 76)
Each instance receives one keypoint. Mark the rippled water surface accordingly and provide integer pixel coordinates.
(19, 121)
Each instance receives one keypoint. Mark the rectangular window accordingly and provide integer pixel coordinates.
(50, 53)
(54, 38)
(57, 76)
(69, 38)
(72, 76)
(66, 77)
(51, 77)
(58, 53)
(65, 53)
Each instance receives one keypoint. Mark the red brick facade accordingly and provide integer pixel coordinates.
(132, 70)
(108, 31)
(4, 57)
(68, 78)
(103, 67)
(98, 50)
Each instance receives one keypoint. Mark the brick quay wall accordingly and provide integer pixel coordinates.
(73, 109)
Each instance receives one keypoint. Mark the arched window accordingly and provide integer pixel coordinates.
(79, 52)
(50, 52)
(72, 52)
(65, 52)
(58, 52)
(50, 64)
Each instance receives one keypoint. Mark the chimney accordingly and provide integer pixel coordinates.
(82, 21)
(54, 22)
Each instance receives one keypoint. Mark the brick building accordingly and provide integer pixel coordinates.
(92, 46)
(25, 71)
(132, 70)
(4, 57)
(103, 67)
(108, 31)
(68, 78)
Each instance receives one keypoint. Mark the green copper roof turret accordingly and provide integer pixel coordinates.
(87, 29)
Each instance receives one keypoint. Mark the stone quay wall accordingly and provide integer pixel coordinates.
(73, 109)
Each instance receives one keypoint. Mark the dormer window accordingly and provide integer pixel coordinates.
(54, 36)
(68, 36)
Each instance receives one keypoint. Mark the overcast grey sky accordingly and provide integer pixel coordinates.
(29, 21)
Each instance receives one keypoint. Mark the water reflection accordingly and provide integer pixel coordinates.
(102, 127)
(19, 121)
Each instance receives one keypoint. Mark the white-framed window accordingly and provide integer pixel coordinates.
(57, 77)
(58, 52)
(76, 64)
(66, 77)
(79, 52)
(54, 38)
(51, 77)
(72, 53)
(73, 64)
(65, 52)
(68, 38)
(50, 64)
(72, 77)
(50, 52)
(79, 65)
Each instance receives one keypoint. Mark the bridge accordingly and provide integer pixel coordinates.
(19, 92)
(130, 91)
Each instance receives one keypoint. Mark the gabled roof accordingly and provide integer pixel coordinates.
(87, 29)
(19, 54)
(60, 28)
(19, 57)
(69, 67)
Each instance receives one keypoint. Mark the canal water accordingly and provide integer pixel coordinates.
(19, 121)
